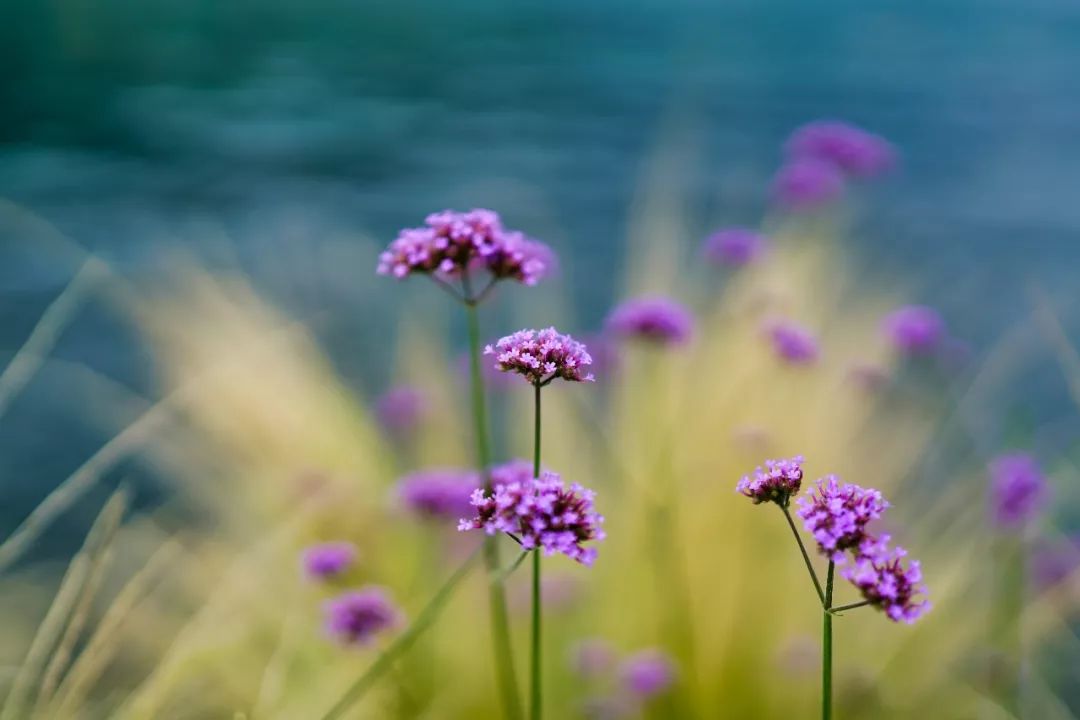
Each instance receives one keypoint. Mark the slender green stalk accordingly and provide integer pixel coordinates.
(386, 660)
(852, 606)
(826, 648)
(500, 619)
(806, 558)
(534, 687)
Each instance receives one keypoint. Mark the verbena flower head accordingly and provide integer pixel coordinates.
(837, 515)
(1018, 490)
(592, 657)
(655, 319)
(328, 560)
(776, 483)
(882, 579)
(647, 673)
(440, 493)
(357, 616)
(542, 356)
(855, 151)
(792, 343)
(451, 243)
(914, 329)
(542, 513)
(735, 247)
(400, 409)
(807, 184)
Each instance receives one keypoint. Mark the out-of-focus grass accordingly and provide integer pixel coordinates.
(277, 453)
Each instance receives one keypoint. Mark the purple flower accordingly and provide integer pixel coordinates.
(541, 513)
(776, 483)
(793, 343)
(355, 617)
(655, 319)
(592, 657)
(855, 151)
(837, 515)
(541, 356)
(328, 560)
(399, 410)
(1054, 563)
(1018, 490)
(439, 493)
(647, 673)
(914, 329)
(735, 247)
(883, 580)
(807, 184)
(451, 243)
(607, 360)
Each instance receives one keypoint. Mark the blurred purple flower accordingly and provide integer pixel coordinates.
(401, 409)
(1019, 490)
(888, 585)
(647, 673)
(542, 513)
(855, 151)
(439, 494)
(542, 356)
(735, 247)
(328, 560)
(592, 657)
(355, 617)
(1054, 563)
(837, 515)
(807, 184)
(451, 243)
(654, 319)
(776, 483)
(914, 329)
(793, 343)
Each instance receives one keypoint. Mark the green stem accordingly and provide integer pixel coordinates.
(852, 606)
(500, 618)
(826, 648)
(534, 691)
(806, 557)
(386, 660)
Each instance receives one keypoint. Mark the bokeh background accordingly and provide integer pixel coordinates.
(286, 142)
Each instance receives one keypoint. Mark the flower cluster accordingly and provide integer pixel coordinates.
(400, 409)
(451, 243)
(793, 343)
(884, 581)
(854, 151)
(541, 356)
(914, 329)
(735, 247)
(655, 319)
(647, 673)
(837, 515)
(541, 513)
(1018, 490)
(776, 483)
(328, 560)
(355, 617)
(806, 184)
(438, 493)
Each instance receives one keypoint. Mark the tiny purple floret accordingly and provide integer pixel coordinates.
(837, 515)
(883, 580)
(793, 343)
